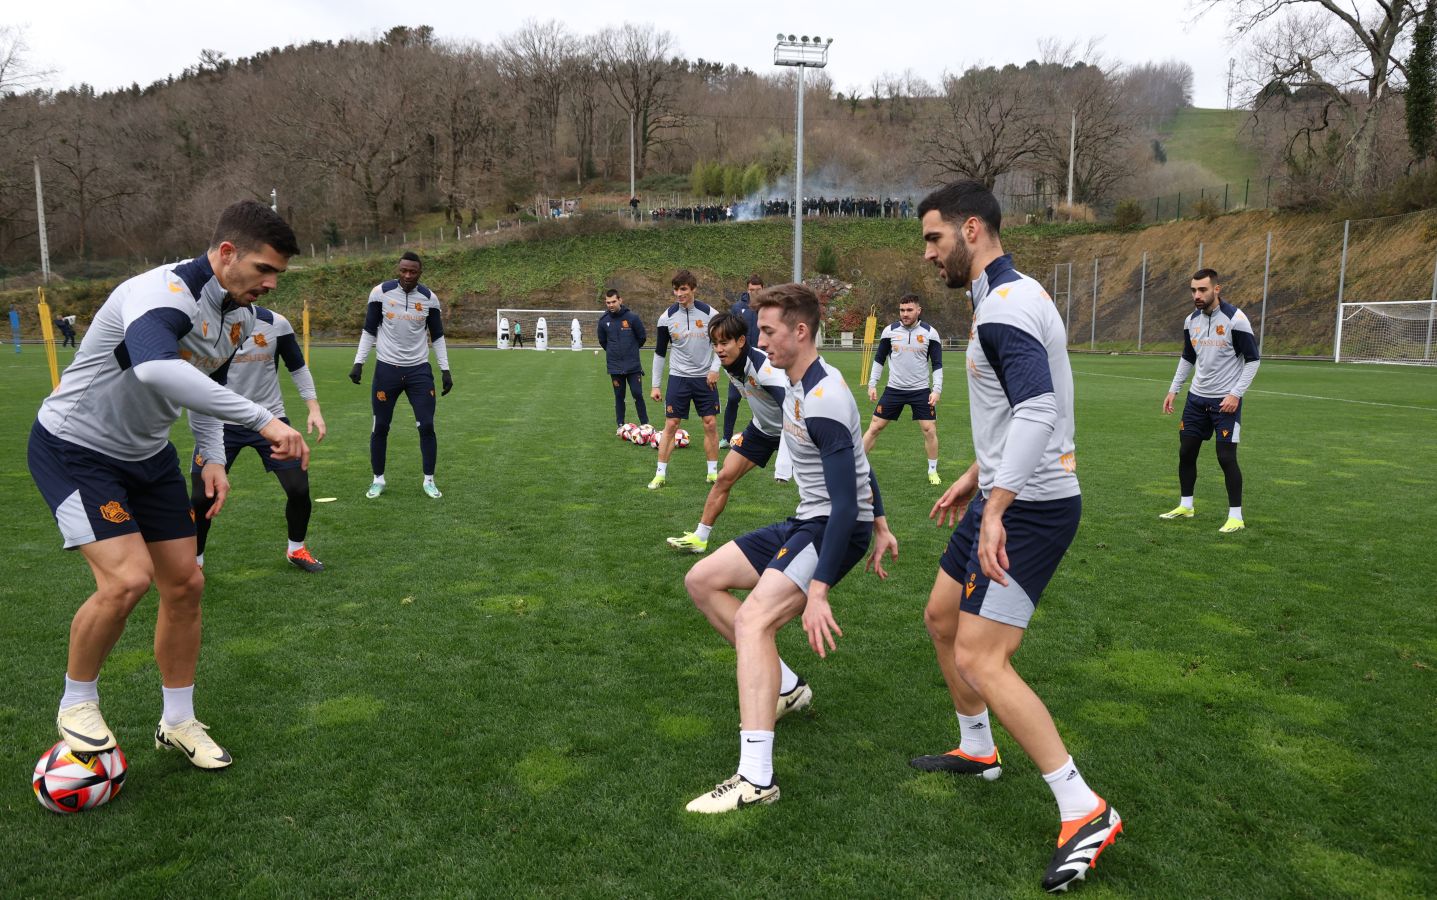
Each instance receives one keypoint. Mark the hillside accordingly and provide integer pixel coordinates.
(1390, 259)
(1211, 138)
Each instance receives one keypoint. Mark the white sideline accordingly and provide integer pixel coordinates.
(1430, 409)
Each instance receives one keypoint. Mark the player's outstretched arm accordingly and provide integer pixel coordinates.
(950, 506)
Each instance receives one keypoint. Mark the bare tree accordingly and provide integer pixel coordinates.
(16, 73)
(1104, 129)
(537, 61)
(634, 65)
(1342, 44)
(987, 126)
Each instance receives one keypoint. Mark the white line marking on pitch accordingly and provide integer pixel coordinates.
(1275, 393)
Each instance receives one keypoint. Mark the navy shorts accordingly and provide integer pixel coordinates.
(95, 497)
(682, 390)
(890, 405)
(1039, 533)
(755, 446)
(792, 547)
(1203, 417)
(236, 439)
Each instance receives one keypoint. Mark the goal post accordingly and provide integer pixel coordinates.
(1399, 332)
(558, 322)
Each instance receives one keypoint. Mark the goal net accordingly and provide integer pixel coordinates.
(1400, 332)
(558, 324)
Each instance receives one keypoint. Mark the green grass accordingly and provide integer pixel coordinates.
(507, 692)
(1210, 137)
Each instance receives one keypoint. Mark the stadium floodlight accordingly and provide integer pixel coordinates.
(804, 54)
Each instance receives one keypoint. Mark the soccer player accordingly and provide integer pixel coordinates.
(693, 373)
(621, 334)
(788, 568)
(403, 319)
(741, 309)
(254, 375)
(765, 386)
(910, 346)
(100, 454)
(1218, 343)
(1022, 507)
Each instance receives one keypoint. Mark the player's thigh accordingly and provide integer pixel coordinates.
(735, 466)
(176, 572)
(773, 602)
(1228, 426)
(981, 639)
(890, 406)
(159, 498)
(384, 392)
(120, 565)
(706, 401)
(1199, 419)
(922, 411)
(940, 616)
(726, 569)
(419, 388)
(755, 447)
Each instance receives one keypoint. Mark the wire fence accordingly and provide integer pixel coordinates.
(1135, 297)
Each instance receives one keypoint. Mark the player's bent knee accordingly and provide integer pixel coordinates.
(941, 620)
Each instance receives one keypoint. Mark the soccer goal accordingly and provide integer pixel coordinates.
(558, 324)
(1399, 332)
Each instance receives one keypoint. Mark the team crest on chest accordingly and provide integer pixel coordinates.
(235, 331)
(259, 340)
(1220, 330)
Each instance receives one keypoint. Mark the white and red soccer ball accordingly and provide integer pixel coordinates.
(681, 438)
(69, 782)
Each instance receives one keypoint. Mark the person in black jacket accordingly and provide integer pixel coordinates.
(741, 309)
(621, 334)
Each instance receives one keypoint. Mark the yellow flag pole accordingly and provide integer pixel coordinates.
(47, 331)
(306, 330)
(869, 328)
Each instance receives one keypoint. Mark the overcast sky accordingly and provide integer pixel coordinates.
(110, 45)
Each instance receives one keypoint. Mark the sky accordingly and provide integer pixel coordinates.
(110, 45)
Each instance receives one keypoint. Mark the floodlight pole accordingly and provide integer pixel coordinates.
(40, 221)
(801, 53)
(632, 190)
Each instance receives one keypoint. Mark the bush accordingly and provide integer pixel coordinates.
(1128, 213)
(827, 262)
(1207, 208)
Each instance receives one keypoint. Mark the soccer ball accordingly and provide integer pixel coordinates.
(626, 431)
(654, 438)
(681, 438)
(619, 432)
(67, 782)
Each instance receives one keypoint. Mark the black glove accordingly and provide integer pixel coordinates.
(448, 382)
(356, 372)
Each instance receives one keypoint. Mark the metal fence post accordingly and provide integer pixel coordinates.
(1069, 317)
(1200, 246)
(1341, 285)
(1180, 206)
(1262, 317)
(1431, 311)
(1093, 335)
(1246, 185)
(1142, 298)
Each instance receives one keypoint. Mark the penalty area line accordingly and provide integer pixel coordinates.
(1429, 409)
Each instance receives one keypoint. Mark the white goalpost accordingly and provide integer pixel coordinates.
(558, 324)
(1399, 332)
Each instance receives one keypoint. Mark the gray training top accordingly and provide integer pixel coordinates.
(254, 370)
(1220, 344)
(162, 341)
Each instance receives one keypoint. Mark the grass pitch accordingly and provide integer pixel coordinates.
(507, 692)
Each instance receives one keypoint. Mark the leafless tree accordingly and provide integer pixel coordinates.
(536, 60)
(1330, 46)
(987, 125)
(635, 66)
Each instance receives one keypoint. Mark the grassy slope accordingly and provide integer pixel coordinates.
(507, 693)
(1210, 137)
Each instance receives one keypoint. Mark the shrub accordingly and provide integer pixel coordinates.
(827, 262)
(1128, 213)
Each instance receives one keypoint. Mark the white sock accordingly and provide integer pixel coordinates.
(755, 761)
(379, 479)
(703, 531)
(79, 692)
(1234, 512)
(1075, 798)
(713, 467)
(295, 546)
(179, 704)
(977, 735)
(663, 469)
(428, 479)
(933, 467)
(1186, 503)
(200, 560)
(788, 679)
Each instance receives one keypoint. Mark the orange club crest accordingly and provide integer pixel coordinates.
(381, 396)
(114, 512)
(1221, 330)
(260, 340)
(235, 332)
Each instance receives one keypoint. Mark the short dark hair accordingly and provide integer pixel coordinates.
(911, 297)
(1200, 274)
(960, 200)
(795, 302)
(727, 327)
(685, 277)
(411, 256)
(250, 226)
(756, 278)
(611, 292)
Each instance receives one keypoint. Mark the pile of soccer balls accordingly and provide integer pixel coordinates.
(648, 436)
